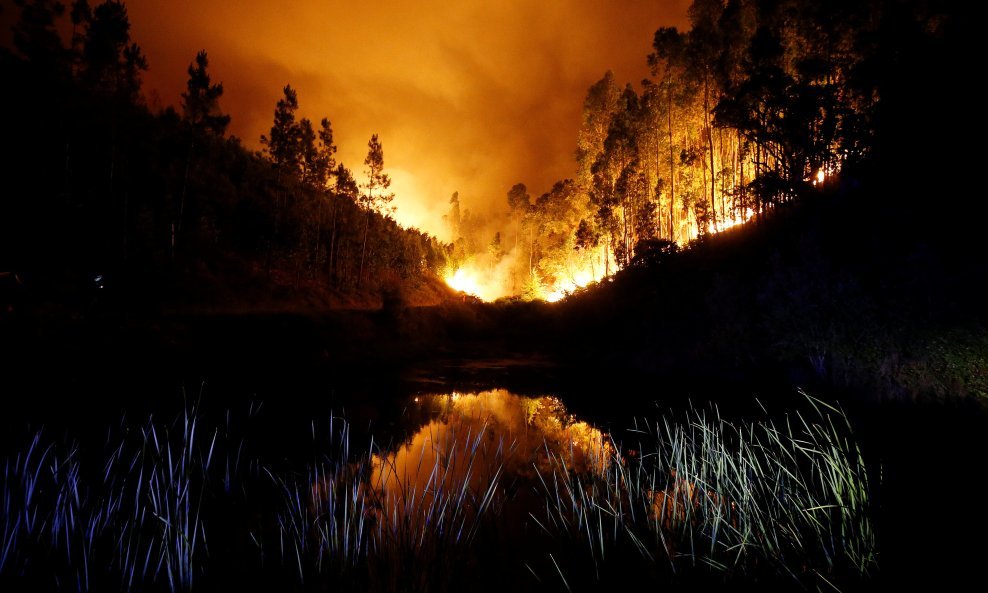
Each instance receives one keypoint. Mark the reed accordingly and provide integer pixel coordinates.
(391, 520)
(785, 498)
(135, 521)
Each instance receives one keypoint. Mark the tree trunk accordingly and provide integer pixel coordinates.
(672, 175)
(739, 178)
(710, 142)
(177, 225)
(332, 243)
(723, 188)
(624, 230)
(363, 251)
(314, 260)
(531, 249)
(658, 167)
(758, 175)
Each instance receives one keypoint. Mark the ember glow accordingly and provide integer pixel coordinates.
(732, 221)
(566, 285)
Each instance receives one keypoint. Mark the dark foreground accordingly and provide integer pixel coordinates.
(85, 379)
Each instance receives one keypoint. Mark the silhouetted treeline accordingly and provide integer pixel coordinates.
(757, 103)
(96, 184)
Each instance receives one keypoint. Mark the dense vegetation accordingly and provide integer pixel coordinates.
(754, 106)
(165, 206)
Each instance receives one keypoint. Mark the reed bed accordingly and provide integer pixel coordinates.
(129, 523)
(770, 500)
(391, 520)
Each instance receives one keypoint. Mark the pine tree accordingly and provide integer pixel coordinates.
(200, 101)
(283, 142)
(327, 148)
(35, 35)
(112, 64)
(376, 198)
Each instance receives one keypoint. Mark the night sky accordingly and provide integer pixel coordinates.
(466, 96)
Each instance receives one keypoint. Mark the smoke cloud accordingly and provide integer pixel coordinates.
(468, 96)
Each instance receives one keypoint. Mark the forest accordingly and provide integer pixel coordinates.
(754, 106)
(165, 207)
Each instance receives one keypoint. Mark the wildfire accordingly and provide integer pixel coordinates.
(463, 281)
(565, 286)
(478, 281)
(734, 220)
(509, 276)
(824, 173)
(489, 285)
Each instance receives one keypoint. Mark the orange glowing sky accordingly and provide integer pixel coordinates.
(469, 96)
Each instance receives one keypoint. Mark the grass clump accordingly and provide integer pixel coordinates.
(783, 501)
(391, 520)
(130, 523)
(493, 486)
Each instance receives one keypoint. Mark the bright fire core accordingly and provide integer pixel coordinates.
(489, 284)
(468, 281)
(489, 281)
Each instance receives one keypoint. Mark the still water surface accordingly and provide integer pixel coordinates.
(468, 440)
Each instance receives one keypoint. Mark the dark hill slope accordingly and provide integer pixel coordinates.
(838, 289)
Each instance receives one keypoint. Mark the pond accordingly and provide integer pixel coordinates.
(439, 490)
(237, 470)
(741, 499)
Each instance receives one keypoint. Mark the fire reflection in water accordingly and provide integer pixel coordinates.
(475, 459)
(434, 488)
(473, 441)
